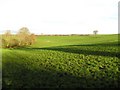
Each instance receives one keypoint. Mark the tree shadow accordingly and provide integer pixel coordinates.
(114, 44)
(18, 75)
(87, 49)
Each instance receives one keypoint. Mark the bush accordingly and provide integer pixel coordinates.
(23, 38)
(4, 43)
(14, 43)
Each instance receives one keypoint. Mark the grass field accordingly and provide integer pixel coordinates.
(63, 61)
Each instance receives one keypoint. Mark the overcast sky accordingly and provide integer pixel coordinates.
(60, 16)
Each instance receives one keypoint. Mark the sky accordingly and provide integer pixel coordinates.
(60, 16)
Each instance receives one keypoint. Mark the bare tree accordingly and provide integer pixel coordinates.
(24, 31)
(26, 38)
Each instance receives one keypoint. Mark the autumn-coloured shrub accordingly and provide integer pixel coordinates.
(22, 38)
(3, 42)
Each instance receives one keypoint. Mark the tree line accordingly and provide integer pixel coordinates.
(22, 38)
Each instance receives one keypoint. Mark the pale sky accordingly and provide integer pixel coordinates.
(60, 16)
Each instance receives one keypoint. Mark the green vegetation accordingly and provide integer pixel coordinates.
(63, 61)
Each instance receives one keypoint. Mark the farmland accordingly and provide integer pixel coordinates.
(62, 62)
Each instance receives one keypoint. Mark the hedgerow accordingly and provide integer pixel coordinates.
(22, 38)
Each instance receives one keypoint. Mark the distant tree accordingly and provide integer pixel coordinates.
(95, 32)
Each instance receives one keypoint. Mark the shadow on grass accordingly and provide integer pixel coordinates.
(87, 49)
(85, 52)
(114, 44)
(18, 75)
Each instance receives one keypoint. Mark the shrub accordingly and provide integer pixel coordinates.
(3, 42)
(23, 38)
(14, 43)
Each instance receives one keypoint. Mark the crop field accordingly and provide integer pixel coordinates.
(63, 62)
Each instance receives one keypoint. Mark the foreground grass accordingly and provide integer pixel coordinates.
(63, 61)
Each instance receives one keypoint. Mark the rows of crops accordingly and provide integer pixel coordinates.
(63, 61)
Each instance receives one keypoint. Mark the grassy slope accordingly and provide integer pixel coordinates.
(62, 61)
(47, 41)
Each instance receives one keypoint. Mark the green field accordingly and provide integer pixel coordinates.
(63, 61)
